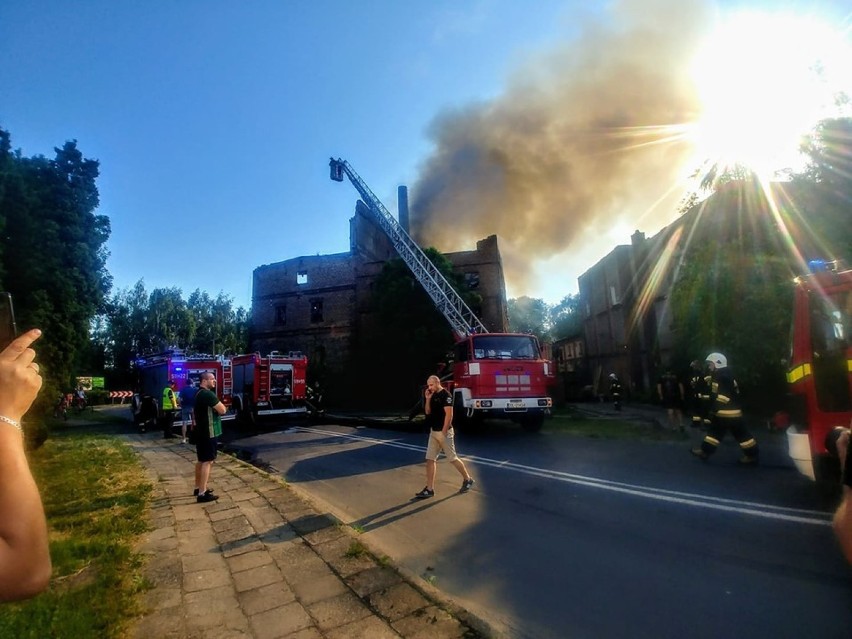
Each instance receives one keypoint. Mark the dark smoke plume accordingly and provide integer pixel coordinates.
(583, 138)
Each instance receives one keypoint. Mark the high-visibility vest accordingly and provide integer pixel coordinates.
(168, 393)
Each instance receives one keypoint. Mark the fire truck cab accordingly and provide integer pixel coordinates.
(269, 385)
(820, 368)
(501, 375)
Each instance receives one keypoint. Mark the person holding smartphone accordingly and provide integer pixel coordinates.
(24, 552)
(438, 406)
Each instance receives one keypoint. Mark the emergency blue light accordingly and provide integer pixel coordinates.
(818, 266)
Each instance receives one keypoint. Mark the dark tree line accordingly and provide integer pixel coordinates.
(135, 322)
(53, 252)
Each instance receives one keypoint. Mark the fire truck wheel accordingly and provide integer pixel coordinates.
(533, 423)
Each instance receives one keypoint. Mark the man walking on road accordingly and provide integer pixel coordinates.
(438, 406)
(208, 427)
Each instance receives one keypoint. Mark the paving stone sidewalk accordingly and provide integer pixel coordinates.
(262, 563)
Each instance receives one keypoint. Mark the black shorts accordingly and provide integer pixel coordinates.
(206, 449)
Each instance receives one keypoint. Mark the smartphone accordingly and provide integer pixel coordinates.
(8, 331)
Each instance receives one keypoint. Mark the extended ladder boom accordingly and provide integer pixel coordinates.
(462, 320)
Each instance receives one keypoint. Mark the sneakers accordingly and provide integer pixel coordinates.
(195, 492)
(208, 496)
(466, 485)
(184, 441)
(699, 453)
(425, 494)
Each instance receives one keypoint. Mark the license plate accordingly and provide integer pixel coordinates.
(515, 403)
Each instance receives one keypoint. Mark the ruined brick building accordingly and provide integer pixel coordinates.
(321, 305)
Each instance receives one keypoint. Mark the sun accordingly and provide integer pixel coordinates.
(764, 80)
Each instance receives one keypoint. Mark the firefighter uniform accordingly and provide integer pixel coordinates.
(615, 391)
(699, 396)
(726, 413)
(169, 408)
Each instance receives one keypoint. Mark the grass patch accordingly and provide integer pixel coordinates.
(95, 495)
(570, 420)
(356, 549)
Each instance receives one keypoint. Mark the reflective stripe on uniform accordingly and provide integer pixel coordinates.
(711, 440)
(729, 413)
(749, 443)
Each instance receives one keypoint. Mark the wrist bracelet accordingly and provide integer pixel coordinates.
(11, 421)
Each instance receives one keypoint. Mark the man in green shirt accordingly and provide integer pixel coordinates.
(208, 427)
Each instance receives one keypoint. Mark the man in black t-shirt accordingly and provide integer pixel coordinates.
(206, 431)
(438, 405)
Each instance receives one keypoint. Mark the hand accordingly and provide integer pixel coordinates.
(19, 376)
(428, 394)
(842, 448)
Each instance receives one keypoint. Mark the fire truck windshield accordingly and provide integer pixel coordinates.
(491, 346)
(831, 324)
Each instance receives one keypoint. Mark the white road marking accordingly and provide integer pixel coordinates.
(754, 509)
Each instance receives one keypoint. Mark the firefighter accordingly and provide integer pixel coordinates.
(726, 413)
(615, 391)
(699, 395)
(169, 407)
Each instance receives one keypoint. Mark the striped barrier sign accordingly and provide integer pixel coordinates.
(121, 395)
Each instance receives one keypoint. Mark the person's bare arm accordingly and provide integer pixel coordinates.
(220, 408)
(24, 552)
(448, 419)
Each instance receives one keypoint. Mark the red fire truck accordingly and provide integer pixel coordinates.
(155, 371)
(269, 385)
(494, 374)
(820, 367)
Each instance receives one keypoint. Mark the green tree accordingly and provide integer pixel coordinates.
(823, 191)
(53, 251)
(217, 327)
(733, 291)
(409, 337)
(565, 317)
(529, 315)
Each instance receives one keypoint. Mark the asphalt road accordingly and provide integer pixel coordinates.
(572, 537)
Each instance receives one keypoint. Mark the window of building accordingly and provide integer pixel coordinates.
(281, 314)
(302, 277)
(471, 280)
(316, 310)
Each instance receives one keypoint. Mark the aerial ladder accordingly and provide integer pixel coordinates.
(461, 319)
(494, 374)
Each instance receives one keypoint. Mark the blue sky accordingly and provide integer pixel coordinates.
(213, 121)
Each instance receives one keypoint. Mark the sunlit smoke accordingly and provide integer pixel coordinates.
(583, 140)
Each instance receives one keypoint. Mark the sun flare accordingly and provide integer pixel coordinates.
(764, 80)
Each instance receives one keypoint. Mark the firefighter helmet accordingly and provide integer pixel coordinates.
(717, 359)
